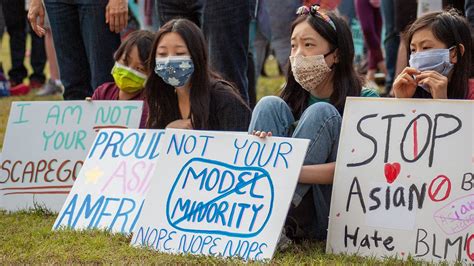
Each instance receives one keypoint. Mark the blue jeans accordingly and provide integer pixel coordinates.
(225, 24)
(390, 42)
(321, 124)
(189, 9)
(347, 9)
(84, 45)
(17, 27)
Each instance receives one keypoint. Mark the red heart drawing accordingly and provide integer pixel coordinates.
(391, 171)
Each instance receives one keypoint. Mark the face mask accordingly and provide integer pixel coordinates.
(175, 70)
(434, 59)
(309, 71)
(128, 79)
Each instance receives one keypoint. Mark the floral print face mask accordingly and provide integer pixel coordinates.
(175, 70)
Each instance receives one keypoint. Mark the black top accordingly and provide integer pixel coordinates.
(227, 111)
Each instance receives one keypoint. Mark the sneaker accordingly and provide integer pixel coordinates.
(50, 88)
(20, 89)
(283, 241)
(4, 86)
(34, 84)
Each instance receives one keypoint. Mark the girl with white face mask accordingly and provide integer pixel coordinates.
(439, 46)
(320, 77)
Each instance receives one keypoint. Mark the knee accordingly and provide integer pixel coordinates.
(321, 111)
(269, 104)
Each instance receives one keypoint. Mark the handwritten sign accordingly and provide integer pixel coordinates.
(220, 194)
(110, 190)
(45, 145)
(404, 182)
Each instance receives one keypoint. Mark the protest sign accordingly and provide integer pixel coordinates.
(111, 187)
(404, 181)
(45, 145)
(220, 194)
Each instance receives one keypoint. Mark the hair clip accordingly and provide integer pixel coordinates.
(314, 11)
(302, 10)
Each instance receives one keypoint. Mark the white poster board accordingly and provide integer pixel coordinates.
(110, 190)
(404, 182)
(220, 194)
(46, 143)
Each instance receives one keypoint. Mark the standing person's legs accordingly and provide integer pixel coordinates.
(37, 60)
(368, 18)
(282, 14)
(71, 54)
(189, 9)
(15, 20)
(469, 7)
(99, 42)
(54, 84)
(405, 14)
(2, 29)
(347, 10)
(260, 47)
(2, 22)
(391, 42)
(226, 26)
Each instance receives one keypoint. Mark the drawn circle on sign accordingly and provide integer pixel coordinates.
(436, 187)
(186, 209)
(470, 253)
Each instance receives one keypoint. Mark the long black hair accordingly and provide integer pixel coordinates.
(346, 82)
(452, 29)
(161, 97)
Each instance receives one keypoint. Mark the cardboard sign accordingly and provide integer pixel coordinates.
(220, 194)
(404, 181)
(45, 145)
(111, 187)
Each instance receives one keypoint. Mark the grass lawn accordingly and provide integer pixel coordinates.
(26, 236)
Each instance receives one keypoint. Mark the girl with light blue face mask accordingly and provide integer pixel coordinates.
(182, 92)
(440, 58)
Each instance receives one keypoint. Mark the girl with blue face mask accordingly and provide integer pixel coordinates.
(182, 92)
(440, 64)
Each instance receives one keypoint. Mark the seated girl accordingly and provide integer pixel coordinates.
(130, 71)
(439, 46)
(320, 77)
(183, 92)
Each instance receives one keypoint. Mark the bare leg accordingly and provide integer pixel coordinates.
(51, 55)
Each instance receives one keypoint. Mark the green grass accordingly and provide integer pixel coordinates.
(26, 236)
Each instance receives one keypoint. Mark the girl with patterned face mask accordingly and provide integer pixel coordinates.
(320, 77)
(440, 64)
(129, 72)
(182, 92)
